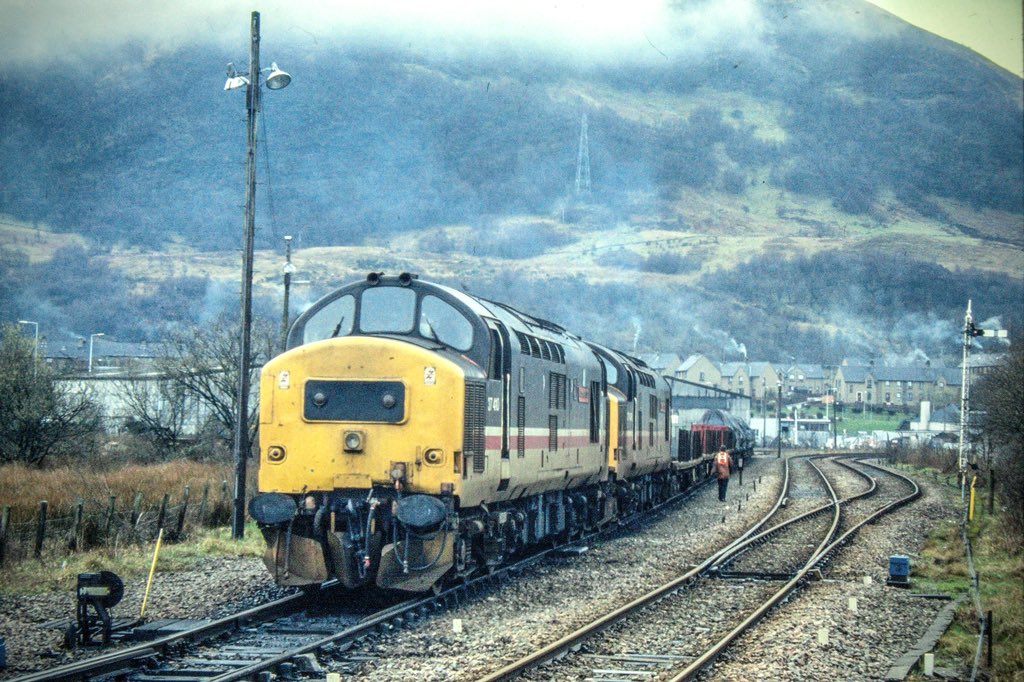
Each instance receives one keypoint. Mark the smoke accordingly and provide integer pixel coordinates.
(637, 328)
(219, 295)
(913, 357)
(718, 339)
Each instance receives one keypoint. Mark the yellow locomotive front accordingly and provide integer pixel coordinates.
(363, 427)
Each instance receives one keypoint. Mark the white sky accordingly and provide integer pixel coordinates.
(33, 30)
(992, 28)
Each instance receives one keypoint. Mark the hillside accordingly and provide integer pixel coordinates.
(802, 141)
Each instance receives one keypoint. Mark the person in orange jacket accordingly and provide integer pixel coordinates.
(723, 465)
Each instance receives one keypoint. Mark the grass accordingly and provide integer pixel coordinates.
(999, 561)
(849, 421)
(130, 561)
(21, 487)
(37, 243)
(868, 422)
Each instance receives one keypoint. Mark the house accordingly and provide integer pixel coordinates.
(662, 363)
(735, 377)
(764, 379)
(699, 369)
(855, 384)
(903, 386)
(808, 379)
(75, 355)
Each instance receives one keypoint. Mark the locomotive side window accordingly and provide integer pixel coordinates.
(612, 373)
(334, 319)
(440, 321)
(387, 309)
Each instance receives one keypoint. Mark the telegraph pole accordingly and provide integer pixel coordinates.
(778, 422)
(242, 445)
(583, 160)
(276, 80)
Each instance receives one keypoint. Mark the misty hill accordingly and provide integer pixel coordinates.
(802, 129)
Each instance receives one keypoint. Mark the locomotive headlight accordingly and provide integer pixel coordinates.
(275, 453)
(433, 456)
(354, 441)
(398, 471)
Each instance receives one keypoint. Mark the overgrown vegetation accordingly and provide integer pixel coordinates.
(997, 537)
(942, 568)
(22, 487)
(59, 574)
(39, 418)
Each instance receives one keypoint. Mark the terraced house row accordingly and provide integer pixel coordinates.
(865, 384)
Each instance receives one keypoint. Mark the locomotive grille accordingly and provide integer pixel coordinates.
(521, 426)
(473, 442)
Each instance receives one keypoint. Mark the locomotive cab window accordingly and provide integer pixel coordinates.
(440, 321)
(387, 309)
(334, 319)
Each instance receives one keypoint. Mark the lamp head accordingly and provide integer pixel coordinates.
(235, 80)
(277, 78)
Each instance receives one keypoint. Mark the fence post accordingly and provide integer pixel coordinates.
(40, 529)
(201, 520)
(988, 635)
(5, 523)
(76, 540)
(136, 510)
(991, 491)
(163, 512)
(111, 510)
(180, 528)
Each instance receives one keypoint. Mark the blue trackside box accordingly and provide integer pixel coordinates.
(899, 570)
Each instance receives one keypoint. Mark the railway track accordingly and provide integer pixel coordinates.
(655, 637)
(280, 635)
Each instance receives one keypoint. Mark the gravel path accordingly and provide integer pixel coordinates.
(218, 588)
(862, 644)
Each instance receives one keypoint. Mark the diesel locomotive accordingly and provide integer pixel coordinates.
(413, 433)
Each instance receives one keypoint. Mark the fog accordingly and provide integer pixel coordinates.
(65, 30)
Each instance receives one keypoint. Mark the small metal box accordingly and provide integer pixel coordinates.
(899, 571)
(899, 566)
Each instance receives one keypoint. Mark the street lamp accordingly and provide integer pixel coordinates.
(275, 80)
(35, 348)
(92, 337)
(288, 270)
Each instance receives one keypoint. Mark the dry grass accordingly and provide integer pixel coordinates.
(38, 243)
(22, 487)
(59, 574)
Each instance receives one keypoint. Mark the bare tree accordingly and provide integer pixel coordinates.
(1001, 397)
(203, 363)
(39, 417)
(160, 410)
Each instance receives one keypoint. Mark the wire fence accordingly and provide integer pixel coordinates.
(111, 523)
(983, 620)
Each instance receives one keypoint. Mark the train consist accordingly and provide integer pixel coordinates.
(413, 433)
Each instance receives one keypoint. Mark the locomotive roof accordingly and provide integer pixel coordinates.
(512, 318)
